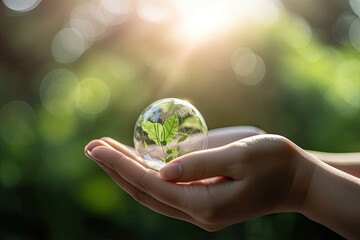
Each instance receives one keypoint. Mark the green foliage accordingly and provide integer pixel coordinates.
(193, 122)
(310, 94)
(155, 131)
(171, 127)
(162, 135)
(173, 153)
(183, 138)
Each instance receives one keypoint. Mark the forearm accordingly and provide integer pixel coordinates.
(347, 162)
(333, 200)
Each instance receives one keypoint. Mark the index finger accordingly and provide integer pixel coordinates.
(130, 152)
(147, 180)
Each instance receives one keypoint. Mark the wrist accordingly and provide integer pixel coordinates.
(331, 200)
(305, 167)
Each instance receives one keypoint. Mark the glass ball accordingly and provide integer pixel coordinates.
(167, 129)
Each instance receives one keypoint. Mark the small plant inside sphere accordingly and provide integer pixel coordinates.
(168, 129)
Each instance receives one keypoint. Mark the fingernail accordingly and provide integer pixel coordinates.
(171, 171)
(90, 155)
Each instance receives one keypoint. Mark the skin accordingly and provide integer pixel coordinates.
(243, 175)
(346, 162)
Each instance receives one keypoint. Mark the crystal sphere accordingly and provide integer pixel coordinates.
(167, 129)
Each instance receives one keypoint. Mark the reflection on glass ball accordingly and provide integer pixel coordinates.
(167, 129)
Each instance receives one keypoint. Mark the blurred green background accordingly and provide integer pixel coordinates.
(72, 71)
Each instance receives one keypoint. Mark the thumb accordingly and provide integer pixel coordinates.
(203, 164)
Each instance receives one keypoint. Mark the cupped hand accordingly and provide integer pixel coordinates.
(217, 187)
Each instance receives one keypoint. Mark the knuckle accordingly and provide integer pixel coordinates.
(203, 170)
(280, 139)
(248, 149)
(257, 130)
(276, 142)
(241, 152)
(283, 144)
(119, 156)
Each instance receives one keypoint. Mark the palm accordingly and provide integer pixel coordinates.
(201, 202)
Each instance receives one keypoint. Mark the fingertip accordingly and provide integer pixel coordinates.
(96, 143)
(88, 146)
(92, 144)
(260, 131)
(106, 153)
(112, 142)
(89, 154)
(107, 139)
(101, 148)
(171, 171)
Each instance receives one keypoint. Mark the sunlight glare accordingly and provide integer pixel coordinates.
(205, 18)
(202, 18)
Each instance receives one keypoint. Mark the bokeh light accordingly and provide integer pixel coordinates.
(111, 12)
(89, 13)
(355, 34)
(84, 27)
(355, 5)
(73, 71)
(299, 32)
(68, 45)
(154, 10)
(341, 28)
(94, 96)
(248, 67)
(59, 92)
(346, 82)
(119, 7)
(21, 5)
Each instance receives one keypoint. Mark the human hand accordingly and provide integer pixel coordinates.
(222, 136)
(214, 188)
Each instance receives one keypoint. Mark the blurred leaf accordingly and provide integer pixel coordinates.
(183, 138)
(193, 122)
(170, 158)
